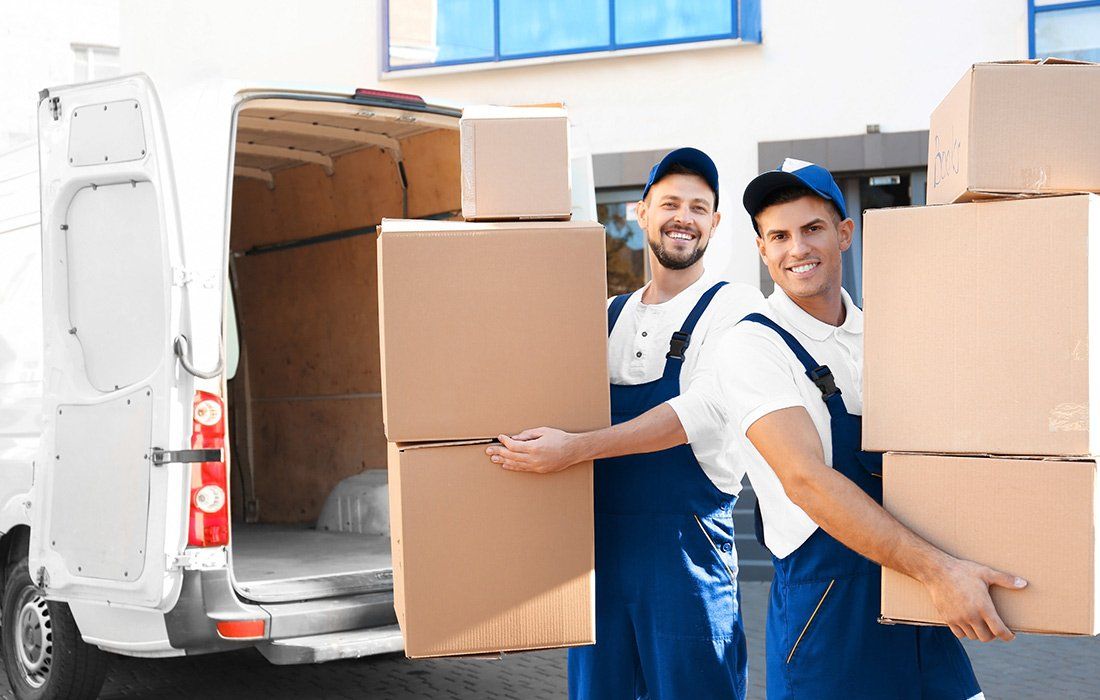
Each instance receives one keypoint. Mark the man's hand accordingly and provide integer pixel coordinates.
(960, 592)
(788, 440)
(539, 450)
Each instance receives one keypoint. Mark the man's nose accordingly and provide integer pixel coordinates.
(684, 215)
(799, 246)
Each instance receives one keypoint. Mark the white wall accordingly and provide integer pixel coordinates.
(823, 69)
(36, 52)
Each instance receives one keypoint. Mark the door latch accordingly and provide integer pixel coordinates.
(162, 457)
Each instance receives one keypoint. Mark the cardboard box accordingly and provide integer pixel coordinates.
(1024, 127)
(486, 560)
(490, 328)
(1029, 517)
(979, 319)
(515, 163)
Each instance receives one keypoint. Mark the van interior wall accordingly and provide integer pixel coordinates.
(308, 320)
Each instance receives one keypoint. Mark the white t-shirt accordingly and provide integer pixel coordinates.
(758, 374)
(636, 354)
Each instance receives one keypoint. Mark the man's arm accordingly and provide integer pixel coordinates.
(544, 450)
(789, 442)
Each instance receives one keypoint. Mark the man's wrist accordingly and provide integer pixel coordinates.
(580, 447)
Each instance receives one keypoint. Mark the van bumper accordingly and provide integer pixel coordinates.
(207, 597)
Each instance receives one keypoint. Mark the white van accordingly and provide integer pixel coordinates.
(188, 462)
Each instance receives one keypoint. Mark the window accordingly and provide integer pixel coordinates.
(1064, 29)
(626, 245)
(94, 62)
(423, 33)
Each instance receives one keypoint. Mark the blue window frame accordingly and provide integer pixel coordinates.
(1064, 29)
(428, 33)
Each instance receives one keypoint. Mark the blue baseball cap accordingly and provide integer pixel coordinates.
(691, 158)
(793, 172)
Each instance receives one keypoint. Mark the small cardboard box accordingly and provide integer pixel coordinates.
(1017, 127)
(487, 560)
(981, 327)
(490, 328)
(515, 163)
(1032, 518)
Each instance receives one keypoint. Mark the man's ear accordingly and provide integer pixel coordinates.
(716, 217)
(642, 212)
(762, 248)
(845, 231)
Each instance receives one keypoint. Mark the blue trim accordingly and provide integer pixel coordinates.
(1032, 10)
(745, 23)
(386, 36)
(748, 23)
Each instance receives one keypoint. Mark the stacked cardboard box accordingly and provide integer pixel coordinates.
(982, 359)
(490, 327)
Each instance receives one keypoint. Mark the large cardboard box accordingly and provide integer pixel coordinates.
(1010, 128)
(515, 163)
(490, 328)
(981, 325)
(1029, 517)
(487, 560)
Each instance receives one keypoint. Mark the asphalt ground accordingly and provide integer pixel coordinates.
(1032, 667)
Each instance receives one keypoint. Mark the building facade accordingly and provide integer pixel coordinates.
(849, 84)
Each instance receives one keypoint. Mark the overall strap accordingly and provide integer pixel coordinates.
(613, 310)
(820, 375)
(681, 339)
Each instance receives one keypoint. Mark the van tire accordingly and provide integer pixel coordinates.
(59, 664)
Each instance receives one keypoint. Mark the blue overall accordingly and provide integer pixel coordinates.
(824, 641)
(668, 611)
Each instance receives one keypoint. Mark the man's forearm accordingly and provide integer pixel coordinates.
(657, 429)
(844, 511)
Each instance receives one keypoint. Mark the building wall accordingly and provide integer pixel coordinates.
(36, 41)
(823, 69)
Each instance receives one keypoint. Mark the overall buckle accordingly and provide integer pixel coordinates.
(822, 376)
(679, 343)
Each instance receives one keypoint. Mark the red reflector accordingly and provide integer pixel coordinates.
(241, 629)
(389, 95)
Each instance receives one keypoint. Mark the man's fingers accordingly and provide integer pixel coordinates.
(502, 455)
(529, 434)
(997, 626)
(1000, 578)
(981, 629)
(957, 631)
(513, 445)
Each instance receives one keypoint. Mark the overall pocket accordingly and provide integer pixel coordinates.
(810, 620)
(717, 550)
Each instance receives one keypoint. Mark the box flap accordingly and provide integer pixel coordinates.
(1048, 61)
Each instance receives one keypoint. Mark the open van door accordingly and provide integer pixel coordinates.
(104, 516)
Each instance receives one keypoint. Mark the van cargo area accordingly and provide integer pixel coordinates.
(312, 181)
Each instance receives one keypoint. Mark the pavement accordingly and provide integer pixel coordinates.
(1032, 667)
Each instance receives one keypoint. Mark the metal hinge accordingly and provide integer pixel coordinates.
(162, 457)
(55, 108)
(199, 559)
(182, 276)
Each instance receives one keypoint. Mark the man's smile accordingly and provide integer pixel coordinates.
(804, 269)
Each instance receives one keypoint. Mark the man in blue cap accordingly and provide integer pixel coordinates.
(791, 381)
(668, 618)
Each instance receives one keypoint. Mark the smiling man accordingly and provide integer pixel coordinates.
(668, 618)
(791, 378)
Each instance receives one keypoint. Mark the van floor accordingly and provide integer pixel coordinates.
(282, 563)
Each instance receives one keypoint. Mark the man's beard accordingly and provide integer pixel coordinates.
(669, 261)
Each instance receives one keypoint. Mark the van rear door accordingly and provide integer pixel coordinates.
(110, 240)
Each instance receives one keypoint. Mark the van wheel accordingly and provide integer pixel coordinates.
(44, 655)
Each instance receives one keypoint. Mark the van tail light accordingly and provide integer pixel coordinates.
(209, 504)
